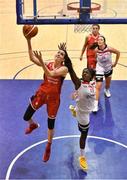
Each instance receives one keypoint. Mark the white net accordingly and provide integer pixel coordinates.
(82, 28)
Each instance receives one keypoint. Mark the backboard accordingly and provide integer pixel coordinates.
(71, 11)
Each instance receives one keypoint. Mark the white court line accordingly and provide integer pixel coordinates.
(55, 138)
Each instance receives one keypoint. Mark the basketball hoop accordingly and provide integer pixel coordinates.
(76, 6)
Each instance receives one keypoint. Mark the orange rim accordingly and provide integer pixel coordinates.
(72, 6)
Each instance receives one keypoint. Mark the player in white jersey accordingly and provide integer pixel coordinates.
(85, 97)
(104, 68)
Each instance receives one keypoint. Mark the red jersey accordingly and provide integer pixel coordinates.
(48, 93)
(91, 40)
(52, 85)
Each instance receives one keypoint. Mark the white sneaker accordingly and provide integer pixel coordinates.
(96, 108)
(107, 93)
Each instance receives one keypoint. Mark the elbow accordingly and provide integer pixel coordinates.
(118, 54)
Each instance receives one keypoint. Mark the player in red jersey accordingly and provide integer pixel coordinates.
(48, 93)
(90, 41)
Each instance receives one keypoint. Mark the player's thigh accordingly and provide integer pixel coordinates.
(53, 106)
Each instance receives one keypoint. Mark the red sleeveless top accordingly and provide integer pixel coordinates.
(91, 39)
(52, 85)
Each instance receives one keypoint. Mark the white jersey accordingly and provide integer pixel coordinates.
(104, 60)
(85, 102)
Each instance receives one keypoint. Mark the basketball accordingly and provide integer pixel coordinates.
(30, 31)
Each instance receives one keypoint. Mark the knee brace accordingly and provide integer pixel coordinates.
(51, 123)
(29, 113)
(83, 128)
(99, 78)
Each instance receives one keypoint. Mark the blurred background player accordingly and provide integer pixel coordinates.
(90, 42)
(48, 93)
(104, 67)
(85, 97)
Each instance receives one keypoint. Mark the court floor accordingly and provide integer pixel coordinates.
(21, 155)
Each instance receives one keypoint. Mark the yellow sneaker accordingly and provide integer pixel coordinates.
(73, 111)
(83, 163)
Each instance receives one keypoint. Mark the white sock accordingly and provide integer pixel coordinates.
(82, 152)
(96, 102)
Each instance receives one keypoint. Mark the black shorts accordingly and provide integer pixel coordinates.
(99, 77)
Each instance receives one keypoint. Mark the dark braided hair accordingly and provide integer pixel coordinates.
(92, 72)
(94, 45)
(67, 62)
